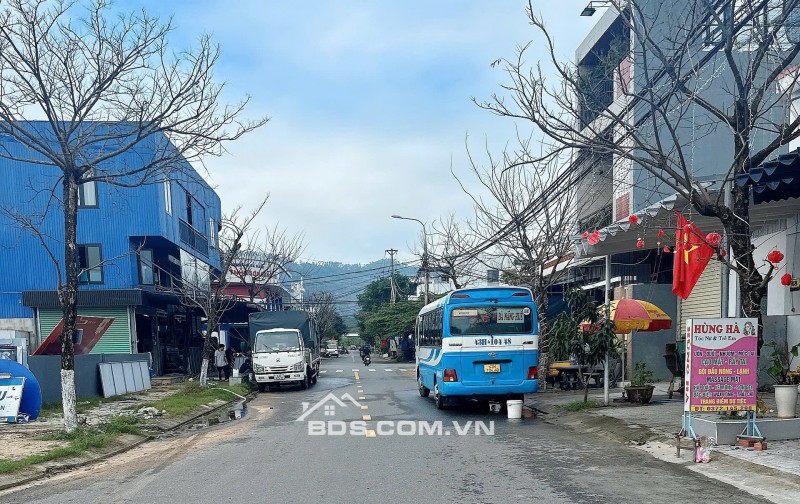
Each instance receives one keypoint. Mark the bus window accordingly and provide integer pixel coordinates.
(491, 320)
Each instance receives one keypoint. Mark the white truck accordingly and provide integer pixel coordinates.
(286, 348)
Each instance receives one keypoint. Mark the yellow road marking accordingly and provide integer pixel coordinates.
(370, 433)
(356, 375)
(365, 407)
(366, 418)
(361, 398)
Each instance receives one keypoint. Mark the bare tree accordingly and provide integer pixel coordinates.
(450, 252)
(702, 70)
(524, 225)
(206, 289)
(108, 90)
(264, 259)
(323, 308)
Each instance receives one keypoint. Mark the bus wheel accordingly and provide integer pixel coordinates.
(423, 390)
(438, 399)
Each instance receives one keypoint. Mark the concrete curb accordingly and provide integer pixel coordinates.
(69, 466)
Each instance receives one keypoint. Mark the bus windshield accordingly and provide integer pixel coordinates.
(283, 341)
(491, 320)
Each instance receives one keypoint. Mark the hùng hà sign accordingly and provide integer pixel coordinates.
(721, 372)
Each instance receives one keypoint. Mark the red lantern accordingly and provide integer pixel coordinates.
(713, 239)
(786, 279)
(633, 219)
(585, 235)
(639, 243)
(594, 238)
(775, 256)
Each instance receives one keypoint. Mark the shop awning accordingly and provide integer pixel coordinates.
(774, 180)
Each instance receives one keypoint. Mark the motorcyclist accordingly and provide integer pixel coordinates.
(365, 350)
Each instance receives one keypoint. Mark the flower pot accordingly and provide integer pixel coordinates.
(786, 400)
(639, 394)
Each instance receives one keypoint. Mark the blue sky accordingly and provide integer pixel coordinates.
(370, 104)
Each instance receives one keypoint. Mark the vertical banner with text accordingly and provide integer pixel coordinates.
(721, 372)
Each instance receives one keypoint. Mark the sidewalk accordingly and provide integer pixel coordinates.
(653, 428)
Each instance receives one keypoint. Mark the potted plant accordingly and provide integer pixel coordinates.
(779, 370)
(640, 390)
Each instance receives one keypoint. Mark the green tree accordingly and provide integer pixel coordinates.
(379, 292)
(390, 320)
(583, 334)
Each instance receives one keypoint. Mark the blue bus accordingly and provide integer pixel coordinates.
(478, 343)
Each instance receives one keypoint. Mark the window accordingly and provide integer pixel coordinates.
(87, 193)
(90, 268)
(189, 209)
(146, 267)
(212, 233)
(429, 328)
(168, 196)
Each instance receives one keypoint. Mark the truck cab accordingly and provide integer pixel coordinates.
(285, 349)
(332, 349)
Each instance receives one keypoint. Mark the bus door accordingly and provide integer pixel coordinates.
(492, 337)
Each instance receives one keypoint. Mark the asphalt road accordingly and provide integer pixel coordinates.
(271, 456)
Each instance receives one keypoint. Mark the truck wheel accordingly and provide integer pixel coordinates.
(314, 377)
(304, 383)
(262, 387)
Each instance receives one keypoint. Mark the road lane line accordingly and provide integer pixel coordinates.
(372, 370)
(387, 370)
(370, 433)
(364, 406)
(356, 375)
(366, 418)
(338, 370)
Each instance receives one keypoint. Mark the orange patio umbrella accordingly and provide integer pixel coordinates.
(635, 315)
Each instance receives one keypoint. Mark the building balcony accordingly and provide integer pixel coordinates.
(192, 238)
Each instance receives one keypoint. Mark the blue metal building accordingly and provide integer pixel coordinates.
(137, 245)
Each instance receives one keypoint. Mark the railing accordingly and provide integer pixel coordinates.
(194, 239)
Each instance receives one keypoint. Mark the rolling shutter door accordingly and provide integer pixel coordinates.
(705, 301)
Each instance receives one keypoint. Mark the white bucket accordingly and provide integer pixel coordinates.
(235, 373)
(514, 407)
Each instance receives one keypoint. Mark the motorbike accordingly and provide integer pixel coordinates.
(366, 359)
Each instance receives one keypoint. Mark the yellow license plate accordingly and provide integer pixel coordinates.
(491, 368)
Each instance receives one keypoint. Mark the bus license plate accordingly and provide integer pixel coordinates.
(491, 368)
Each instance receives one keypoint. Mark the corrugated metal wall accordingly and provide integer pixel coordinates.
(116, 339)
(705, 301)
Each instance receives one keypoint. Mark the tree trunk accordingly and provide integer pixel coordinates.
(751, 285)
(204, 371)
(68, 297)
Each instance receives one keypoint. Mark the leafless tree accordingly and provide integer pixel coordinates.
(525, 227)
(264, 258)
(450, 252)
(701, 68)
(323, 308)
(108, 91)
(206, 289)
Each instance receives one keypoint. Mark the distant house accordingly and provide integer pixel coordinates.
(137, 246)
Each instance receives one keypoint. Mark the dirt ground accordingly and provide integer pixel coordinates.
(21, 440)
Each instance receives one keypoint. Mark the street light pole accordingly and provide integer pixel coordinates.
(424, 250)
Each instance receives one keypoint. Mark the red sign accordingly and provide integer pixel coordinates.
(88, 331)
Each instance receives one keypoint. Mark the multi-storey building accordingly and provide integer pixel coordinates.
(138, 248)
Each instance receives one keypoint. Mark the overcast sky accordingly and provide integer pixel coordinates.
(370, 104)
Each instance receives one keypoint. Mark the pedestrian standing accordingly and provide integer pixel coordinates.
(229, 362)
(221, 361)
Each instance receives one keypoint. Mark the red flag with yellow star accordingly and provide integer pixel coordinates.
(691, 257)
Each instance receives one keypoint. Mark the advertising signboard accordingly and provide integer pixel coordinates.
(721, 372)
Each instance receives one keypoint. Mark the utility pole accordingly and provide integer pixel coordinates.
(391, 253)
